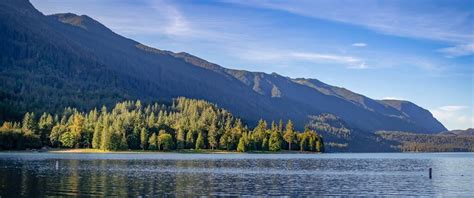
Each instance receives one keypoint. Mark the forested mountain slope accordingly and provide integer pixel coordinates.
(50, 62)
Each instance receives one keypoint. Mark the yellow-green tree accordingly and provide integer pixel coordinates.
(290, 135)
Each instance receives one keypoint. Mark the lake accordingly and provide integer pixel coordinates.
(161, 174)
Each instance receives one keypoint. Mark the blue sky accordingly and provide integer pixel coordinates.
(421, 51)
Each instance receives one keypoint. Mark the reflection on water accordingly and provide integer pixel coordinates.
(35, 174)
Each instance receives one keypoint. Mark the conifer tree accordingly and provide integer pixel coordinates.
(130, 125)
(275, 141)
(289, 135)
(76, 128)
(45, 126)
(212, 135)
(153, 142)
(241, 146)
(29, 124)
(190, 139)
(200, 141)
(180, 138)
(96, 138)
(143, 138)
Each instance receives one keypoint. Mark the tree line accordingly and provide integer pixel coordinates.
(412, 142)
(185, 124)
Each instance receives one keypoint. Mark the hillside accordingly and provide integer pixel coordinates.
(51, 62)
(467, 132)
(412, 142)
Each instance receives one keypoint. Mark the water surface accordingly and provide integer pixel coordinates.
(396, 174)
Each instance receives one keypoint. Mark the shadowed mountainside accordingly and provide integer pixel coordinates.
(50, 62)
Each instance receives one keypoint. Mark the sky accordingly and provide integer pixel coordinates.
(420, 51)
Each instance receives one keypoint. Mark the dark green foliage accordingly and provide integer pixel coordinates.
(339, 136)
(412, 142)
(45, 125)
(15, 138)
(131, 125)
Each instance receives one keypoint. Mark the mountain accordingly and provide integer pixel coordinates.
(467, 132)
(50, 62)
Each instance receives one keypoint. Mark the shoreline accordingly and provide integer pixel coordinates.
(183, 151)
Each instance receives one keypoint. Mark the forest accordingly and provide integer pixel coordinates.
(131, 125)
(412, 142)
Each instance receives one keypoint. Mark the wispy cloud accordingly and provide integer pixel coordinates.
(359, 44)
(433, 22)
(458, 50)
(351, 62)
(176, 23)
(287, 56)
(454, 116)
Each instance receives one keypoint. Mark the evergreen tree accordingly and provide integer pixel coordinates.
(76, 129)
(106, 138)
(180, 138)
(265, 144)
(200, 141)
(303, 140)
(56, 133)
(290, 134)
(143, 138)
(132, 125)
(45, 126)
(29, 124)
(190, 139)
(259, 133)
(275, 141)
(212, 135)
(153, 142)
(223, 141)
(96, 138)
(67, 139)
(241, 146)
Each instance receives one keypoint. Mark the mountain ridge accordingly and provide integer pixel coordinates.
(126, 69)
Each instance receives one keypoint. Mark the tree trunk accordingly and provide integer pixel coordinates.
(289, 146)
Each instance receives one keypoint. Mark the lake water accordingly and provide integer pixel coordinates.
(392, 174)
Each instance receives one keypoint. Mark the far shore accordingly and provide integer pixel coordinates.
(190, 151)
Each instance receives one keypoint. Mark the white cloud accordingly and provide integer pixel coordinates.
(454, 116)
(452, 108)
(351, 62)
(359, 44)
(272, 56)
(458, 50)
(392, 98)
